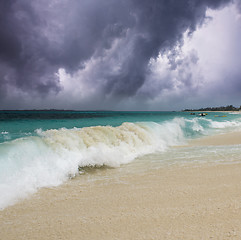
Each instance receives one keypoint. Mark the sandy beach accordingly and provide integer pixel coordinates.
(195, 201)
(120, 120)
(232, 138)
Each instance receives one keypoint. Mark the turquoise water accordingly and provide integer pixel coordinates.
(17, 124)
(20, 124)
(45, 148)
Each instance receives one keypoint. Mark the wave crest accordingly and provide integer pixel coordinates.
(49, 158)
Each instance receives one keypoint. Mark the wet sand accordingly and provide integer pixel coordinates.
(176, 202)
(233, 138)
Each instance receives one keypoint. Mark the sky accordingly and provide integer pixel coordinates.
(120, 54)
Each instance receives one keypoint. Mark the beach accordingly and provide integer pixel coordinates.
(120, 120)
(179, 201)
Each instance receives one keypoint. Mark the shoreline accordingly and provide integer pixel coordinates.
(209, 111)
(229, 138)
(195, 202)
(190, 201)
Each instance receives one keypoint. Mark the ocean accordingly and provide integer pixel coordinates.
(47, 148)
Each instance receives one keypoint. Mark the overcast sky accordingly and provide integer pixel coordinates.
(120, 54)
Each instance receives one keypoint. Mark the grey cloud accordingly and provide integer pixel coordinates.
(181, 75)
(22, 49)
(238, 4)
(160, 26)
(39, 38)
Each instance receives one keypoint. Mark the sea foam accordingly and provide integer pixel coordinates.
(48, 159)
(51, 157)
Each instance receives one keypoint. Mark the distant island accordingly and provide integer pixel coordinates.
(227, 108)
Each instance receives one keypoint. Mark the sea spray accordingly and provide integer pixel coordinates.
(51, 156)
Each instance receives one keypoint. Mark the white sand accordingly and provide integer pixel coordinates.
(187, 202)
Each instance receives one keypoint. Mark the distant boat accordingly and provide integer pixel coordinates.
(220, 116)
(202, 114)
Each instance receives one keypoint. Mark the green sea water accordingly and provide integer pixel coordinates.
(17, 124)
(44, 148)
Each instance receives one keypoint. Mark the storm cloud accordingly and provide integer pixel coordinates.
(119, 38)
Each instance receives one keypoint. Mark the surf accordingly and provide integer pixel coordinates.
(53, 156)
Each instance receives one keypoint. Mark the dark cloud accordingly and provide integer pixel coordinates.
(38, 38)
(22, 48)
(238, 4)
(160, 26)
(180, 74)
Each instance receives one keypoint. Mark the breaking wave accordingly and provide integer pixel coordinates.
(49, 158)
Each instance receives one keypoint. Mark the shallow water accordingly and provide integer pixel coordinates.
(44, 149)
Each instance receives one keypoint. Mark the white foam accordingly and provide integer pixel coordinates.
(6, 135)
(196, 125)
(29, 163)
(225, 124)
(48, 159)
(4, 132)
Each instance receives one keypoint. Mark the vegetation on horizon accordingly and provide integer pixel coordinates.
(227, 108)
